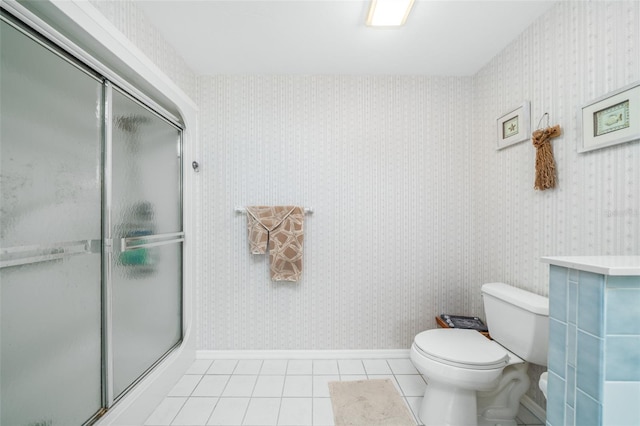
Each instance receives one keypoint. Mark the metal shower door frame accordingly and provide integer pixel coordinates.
(130, 243)
(45, 35)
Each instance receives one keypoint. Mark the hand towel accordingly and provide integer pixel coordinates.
(281, 229)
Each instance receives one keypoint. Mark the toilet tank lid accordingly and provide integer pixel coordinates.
(525, 299)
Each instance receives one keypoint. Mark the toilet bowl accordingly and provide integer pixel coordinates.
(457, 364)
(542, 383)
(472, 380)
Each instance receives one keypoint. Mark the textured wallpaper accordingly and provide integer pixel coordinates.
(414, 207)
(132, 22)
(577, 52)
(383, 161)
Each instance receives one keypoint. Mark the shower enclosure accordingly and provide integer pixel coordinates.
(90, 236)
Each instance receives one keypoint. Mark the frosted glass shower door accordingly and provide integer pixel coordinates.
(50, 236)
(146, 229)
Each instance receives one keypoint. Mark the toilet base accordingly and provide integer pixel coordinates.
(500, 405)
(485, 422)
(443, 407)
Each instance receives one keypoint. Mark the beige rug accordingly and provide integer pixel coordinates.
(368, 403)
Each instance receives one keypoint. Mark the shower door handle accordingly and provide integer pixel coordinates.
(145, 241)
(25, 255)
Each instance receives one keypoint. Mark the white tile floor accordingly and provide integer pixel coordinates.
(279, 392)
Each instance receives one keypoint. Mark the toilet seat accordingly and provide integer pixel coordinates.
(461, 348)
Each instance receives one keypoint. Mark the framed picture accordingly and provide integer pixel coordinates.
(611, 119)
(515, 126)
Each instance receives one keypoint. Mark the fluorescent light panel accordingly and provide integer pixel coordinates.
(388, 13)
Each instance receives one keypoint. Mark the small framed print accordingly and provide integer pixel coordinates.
(610, 119)
(515, 126)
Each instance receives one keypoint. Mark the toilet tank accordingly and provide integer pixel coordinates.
(518, 320)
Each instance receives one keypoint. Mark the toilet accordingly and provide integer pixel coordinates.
(542, 383)
(472, 380)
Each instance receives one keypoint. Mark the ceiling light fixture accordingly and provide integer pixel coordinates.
(388, 13)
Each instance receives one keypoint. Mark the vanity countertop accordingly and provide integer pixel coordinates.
(605, 265)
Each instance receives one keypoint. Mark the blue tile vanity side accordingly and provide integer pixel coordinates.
(558, 293)
(558, 277)
(588, 411)
(591, 303)
(572, 343)
(571, 387)
(572, 305)
(589, 365)
(555, 402)
(620, 406)
(559, 307)
(623, 359)
(594, 348)
(573, 274)
(628, 281)
(557, 357)
(570, 416)
(623, 306)
(622, 351)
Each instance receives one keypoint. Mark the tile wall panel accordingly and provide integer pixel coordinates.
(621, 394)
(590, 371)
(622, 361)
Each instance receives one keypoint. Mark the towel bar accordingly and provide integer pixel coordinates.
(307, 210)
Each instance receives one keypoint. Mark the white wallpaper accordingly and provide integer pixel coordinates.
(383, 162)
(132, 22)
(577, 52)
(414, 207)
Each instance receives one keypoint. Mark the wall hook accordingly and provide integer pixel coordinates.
(546, 114)
(196, 166)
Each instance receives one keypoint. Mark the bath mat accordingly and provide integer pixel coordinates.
(368, 403)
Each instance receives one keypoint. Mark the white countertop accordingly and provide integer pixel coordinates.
(605, 265)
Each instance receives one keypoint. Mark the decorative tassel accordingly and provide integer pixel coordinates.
(545, 164)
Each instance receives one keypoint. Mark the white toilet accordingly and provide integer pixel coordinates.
(472, 380)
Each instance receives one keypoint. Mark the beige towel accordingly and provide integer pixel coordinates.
(281, 228)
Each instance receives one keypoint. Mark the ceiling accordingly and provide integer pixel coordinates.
(453, 38)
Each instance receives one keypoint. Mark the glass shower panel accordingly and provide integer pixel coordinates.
(146, 213)
(50, 231)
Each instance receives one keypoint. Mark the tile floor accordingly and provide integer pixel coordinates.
(279, 392)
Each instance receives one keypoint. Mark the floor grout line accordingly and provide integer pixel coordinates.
(350, 368)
